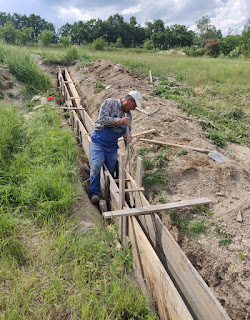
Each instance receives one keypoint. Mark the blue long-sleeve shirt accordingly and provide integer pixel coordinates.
(110, 113)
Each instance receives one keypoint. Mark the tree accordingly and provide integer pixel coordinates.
(25, 36)
(4, 18)
(180, 37)
(65, 30)
(207, 31)
(156, 32)
(229, 43)
(8, 33)
(46, 37)
(246, 39)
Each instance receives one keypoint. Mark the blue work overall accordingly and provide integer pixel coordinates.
(103, 149)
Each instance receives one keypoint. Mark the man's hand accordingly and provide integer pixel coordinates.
(128, 139)
(123, 121)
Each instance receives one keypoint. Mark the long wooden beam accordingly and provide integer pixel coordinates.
(156, 208)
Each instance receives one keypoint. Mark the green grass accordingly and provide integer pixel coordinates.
(154, 164)
(48, 270)
(216, 90)
(212, 89)
(24, 68)
(192, 227)
(224, 238)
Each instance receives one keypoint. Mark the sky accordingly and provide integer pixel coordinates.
(224, 14)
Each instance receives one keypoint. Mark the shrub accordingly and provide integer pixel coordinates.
(99, 44)
(65, 41)
(235, 53)
(212, 48)
(71, 55)
(193, 51)
(148, 45)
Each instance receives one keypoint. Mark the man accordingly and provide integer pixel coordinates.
(111, 124)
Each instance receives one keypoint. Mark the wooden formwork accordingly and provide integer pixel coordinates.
(176, 287)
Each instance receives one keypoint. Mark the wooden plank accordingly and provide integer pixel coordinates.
(126, 180)
(133, 190)
(195, 292)
(85, 139)
(88, 123)
(163, 143)
(162, 289)
(72, 108)
(156, 208)
(140, 133)
(139, 172)
(72, 89)
(121, 221)
(168, 301)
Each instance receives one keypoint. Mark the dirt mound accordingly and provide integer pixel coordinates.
(11, 92)
(189, 175)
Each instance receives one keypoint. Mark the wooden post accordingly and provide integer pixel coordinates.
(122, 220)
(150, 76)
(139, 172)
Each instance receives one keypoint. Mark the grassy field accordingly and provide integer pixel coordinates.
(48, 270)
(216, 90)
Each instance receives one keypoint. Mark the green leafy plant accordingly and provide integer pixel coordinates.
(241, 255)
(225, 238)
(98, 85)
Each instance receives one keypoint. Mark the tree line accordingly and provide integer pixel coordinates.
(115, 32)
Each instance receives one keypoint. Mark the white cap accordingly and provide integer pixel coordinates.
(136, 95)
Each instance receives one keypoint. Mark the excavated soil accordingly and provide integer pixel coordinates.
(226, 270)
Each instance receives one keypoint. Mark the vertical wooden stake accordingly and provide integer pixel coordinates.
(150, 76)
(139, 172)
(121, 221)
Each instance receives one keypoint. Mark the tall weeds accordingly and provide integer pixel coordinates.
(48, 270)
(24, 68)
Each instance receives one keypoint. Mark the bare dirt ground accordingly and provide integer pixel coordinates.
(225, 269)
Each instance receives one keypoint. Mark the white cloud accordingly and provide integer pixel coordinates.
(72, 14)
(132, 10)
(233, 14)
